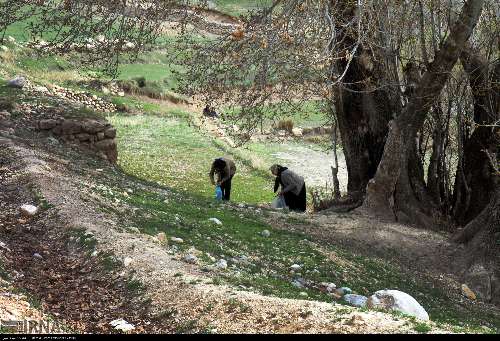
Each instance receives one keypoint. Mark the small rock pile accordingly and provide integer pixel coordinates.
(85, 98)
(93, 134)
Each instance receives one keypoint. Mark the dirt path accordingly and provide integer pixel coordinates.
(314, 165)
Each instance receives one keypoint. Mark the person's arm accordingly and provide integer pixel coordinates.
(212, 171)
(276, 184)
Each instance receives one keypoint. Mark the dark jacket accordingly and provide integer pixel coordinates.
(224, 174)
(289, 181)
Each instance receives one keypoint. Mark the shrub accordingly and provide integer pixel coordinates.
(286, 125)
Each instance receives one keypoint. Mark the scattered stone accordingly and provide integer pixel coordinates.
(110, 133)
(41, 89)
(162, 237)
(37, 256)
(94, 254)
(127, 261)
(221, 264)
(122, 325)
(29, 210)
(399, 301)
(191, 259)
(4, 246)
(330, 287)
(266, 233)
(468, 293)
(298, 283)
(177, 240)
(215, 221)
(355, 300)
(295, 267)
(18, 82)
(343, 291)
(297, 132)
(4, 48)
(121, 94)
(11, 39)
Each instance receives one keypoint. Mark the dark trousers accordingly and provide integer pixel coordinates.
(296, 202)
(226, 189)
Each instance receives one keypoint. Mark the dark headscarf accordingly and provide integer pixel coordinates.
(219, 164)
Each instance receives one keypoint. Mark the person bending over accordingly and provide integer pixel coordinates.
(293, 187)
(225, 170)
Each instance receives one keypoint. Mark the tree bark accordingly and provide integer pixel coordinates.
(474, 185)
(391, 178)
(362, 113)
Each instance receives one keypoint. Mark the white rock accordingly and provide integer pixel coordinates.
(331, 287)
(122, 325)
(266, 233)
(397, 300)
(41, 89)
(37, 255)
(191, 259)
(297, 132)
(11, 39)
(221, 264)
(29, 210)
(295, 267)
(355, 300)
(127, 261)
(215, 221)
(121, 94)
(4, 48)
(298, 284)
(18, 82)
(177, 240)
(129, 45)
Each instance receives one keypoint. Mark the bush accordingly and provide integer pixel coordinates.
(286, 125)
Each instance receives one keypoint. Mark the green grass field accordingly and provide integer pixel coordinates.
(167, 150)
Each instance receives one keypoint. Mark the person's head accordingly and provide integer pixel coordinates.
(219, 164)
(275, 169)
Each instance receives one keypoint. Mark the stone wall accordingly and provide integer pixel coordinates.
(92, 134)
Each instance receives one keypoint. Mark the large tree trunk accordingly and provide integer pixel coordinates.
(387, 192)
(363, 113)
(474, 181)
